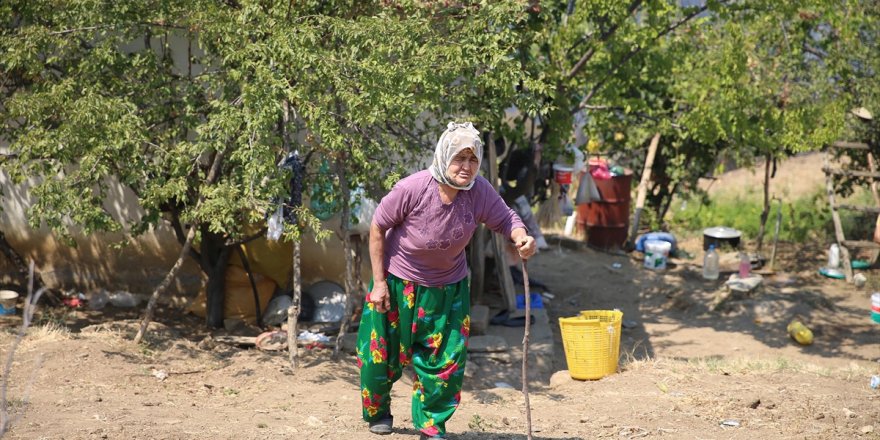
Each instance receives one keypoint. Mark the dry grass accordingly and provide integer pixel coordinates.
(49, 332)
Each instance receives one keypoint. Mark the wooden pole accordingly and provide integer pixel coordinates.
(643, 188)
(525, 361)
(872, 167)
(478, 264)
(838, 228)
(346, 249)
(505, 280)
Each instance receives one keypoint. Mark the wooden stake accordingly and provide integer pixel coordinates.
(525, 362)
(643, 188)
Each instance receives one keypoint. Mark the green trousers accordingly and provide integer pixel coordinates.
(428, 328)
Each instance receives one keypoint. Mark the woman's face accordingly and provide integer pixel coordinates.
(463, 167)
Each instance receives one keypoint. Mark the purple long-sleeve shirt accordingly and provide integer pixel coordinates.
(425, 239)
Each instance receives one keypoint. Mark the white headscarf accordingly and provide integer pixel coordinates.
(457, 137)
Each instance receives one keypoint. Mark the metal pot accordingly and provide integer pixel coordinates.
(721, 236)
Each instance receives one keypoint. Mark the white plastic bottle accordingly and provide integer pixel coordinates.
(834, 256)
(710, 264)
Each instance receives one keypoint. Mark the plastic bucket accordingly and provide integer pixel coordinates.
(562, 174)
(8, 299)
(875, 307)
(656, 254)
(592, 343)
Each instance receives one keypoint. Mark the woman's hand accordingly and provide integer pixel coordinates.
(526, 246)
(379, 296)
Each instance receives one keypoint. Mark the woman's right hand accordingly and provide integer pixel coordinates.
(379, 296)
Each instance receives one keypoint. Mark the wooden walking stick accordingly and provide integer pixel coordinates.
(525, 362)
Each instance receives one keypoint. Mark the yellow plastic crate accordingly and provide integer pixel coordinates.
(592, 343)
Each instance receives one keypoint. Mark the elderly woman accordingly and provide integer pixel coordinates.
(417, 311)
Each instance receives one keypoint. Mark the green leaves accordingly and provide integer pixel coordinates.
(149, 95)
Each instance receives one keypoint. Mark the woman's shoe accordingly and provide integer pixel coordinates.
(382, 426)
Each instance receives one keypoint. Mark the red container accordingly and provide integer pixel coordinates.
(606, 237)
(607, 221)
(562, 174)
(616, 189)
(602, 213)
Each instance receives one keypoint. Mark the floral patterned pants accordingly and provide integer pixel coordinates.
(428, 328)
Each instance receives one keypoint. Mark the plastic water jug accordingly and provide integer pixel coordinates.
(745, 265)
(834, 256)
(710, 264)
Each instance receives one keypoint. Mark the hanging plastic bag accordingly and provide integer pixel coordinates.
(276, 224)
(565, 205)
(323, 197)
(363, 208)
(587, 191)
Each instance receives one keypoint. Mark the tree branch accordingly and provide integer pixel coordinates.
(819, 53)
(633, 51)
(602, 38)
(82, 29)
(247, 239)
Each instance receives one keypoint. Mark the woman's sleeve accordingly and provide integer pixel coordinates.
(493, 212)
(393, 207)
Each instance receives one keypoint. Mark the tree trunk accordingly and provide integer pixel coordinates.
(258, 309)
(766, 211)
(667, 202)
(293, 310)
(151, 305)
(346, 249)
(13, 257)
(357, 242)
(215, 258)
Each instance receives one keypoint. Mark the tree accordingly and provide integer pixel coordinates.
(95, 94)
(740, 80)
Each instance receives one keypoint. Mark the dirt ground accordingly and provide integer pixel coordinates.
(690, 367)
(686, 371)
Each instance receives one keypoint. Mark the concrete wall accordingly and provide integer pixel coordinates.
(114, 262)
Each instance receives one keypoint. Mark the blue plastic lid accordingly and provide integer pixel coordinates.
(711, 247)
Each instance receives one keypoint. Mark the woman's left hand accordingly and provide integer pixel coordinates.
(526, 246)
